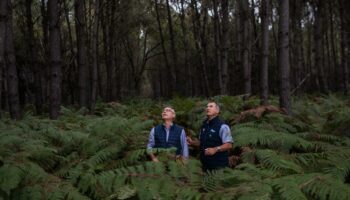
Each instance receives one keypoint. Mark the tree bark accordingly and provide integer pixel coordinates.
(94, 51)
(71, 71)
(265, 22)
(3, 19)
(344, 47)
(246, 48)
(45, 69)
(174, 69)
(283, 56)
(318, 39)
(224, 46)
(201, 45)
(80, 25)
(217, 38)
(55, 58)
(188, 68)
(32, 57)
(171, 82)
(12, 78)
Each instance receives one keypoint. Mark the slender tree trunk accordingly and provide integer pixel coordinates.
(265, 22)
(246, 48)
(238, 50)
(224, 46)
(94, 51)
(3, 18)
(174, 69)
(72, 71)
(171, 82)
(283, 56)
(82, 58)
(111, 51)
(334, 54)
(344, 47)
(12, 79)
(200, 48)
(189, 81)
(105, 28)
(44, 71)
(32, 57)
(318, 39)
(216, 29)
(55, 58)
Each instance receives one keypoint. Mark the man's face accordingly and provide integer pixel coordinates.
(168, 114)
(212, 109)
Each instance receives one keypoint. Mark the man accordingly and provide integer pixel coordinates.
(168, 135)
(215, 140)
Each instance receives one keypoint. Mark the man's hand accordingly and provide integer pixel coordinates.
(192, 142)
(210, 151)
(155, 159)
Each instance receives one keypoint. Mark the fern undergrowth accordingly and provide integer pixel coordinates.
(102, 155)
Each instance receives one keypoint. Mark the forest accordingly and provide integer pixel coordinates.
(82, 82)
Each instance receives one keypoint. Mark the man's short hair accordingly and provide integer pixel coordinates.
(216, 104)
(171, 108)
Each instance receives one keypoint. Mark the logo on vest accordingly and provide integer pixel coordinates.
(212, 130)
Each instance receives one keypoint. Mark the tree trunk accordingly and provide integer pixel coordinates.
(171, 82)
(174, 69)
(216, 29)
(296, 44)
(318, 39)
(32, 57)
(12, 79)
(344, 47)
(94, 51)
(44, 71)
(334, 54)
(199, 32)
(246, 48)
(72, 71)
(3, 18)
(55, 58)
(82, 58)
(111, 51)
(224, 46)
(264, 80)
(188, 68)
(283, 56)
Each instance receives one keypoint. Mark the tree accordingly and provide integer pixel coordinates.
(246, 46)
(55, 58)
(265, 22)
(32, 57)
(10, 59)
(94, 52)
(82, 58)
(283, 55)
(225, 42)
(3, 18)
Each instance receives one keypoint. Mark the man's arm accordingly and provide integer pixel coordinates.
(184, 144)
(226, 138)
(150, 145)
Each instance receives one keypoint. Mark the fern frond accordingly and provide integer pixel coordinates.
(275, 162)
(276, 140)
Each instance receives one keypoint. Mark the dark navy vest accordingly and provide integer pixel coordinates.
(173, 140)
(209, 137)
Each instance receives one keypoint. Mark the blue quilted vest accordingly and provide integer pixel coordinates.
(209, 137)
(173, 140)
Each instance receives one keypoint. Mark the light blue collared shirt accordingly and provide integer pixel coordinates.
(225, 134)
(151, 141)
